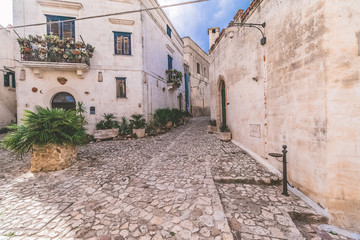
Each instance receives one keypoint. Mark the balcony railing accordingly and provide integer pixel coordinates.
(50, 48)
(174, 77)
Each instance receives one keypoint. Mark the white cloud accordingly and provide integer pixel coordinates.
(224, 6)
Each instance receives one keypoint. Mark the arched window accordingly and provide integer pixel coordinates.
(64, 100)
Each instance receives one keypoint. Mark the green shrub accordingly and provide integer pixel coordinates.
(224, 128)
(162, 116)
(56, 126)
(176, 116)
(212, 122)
(124, 127)
(152, 128)
(138, 121)
(109, 122)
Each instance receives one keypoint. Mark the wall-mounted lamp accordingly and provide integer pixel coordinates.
(22, 75)
(100, 77)
(253, 25)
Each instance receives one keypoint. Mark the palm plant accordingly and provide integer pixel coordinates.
(56, 126)
(138, 121)
(162, 116)
(109, 122)
(125, 127)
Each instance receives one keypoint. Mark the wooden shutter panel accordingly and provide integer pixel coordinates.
(6, 80)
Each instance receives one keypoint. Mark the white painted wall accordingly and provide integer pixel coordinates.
(144, 70)
(7, 94)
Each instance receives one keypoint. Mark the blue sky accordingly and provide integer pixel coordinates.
(189, 20)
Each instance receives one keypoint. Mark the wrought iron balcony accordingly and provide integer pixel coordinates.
(52, 49)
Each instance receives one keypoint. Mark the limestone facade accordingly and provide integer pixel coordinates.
(144, 69)
(7, 86)
(300, 89)
(199, 89)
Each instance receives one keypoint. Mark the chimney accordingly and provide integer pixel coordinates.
(214, 33)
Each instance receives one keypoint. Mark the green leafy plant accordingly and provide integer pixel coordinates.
(109, 122)
(212, 122)
(224, 128)
(152, 128)
(138, 121)
(125, 127)
(81, 111)
(162, 116)
(176, 116)
(56, 126)
(174, 76)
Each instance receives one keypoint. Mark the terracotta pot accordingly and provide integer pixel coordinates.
(169, 125)
(140, 133)
(211, 129)
(225, 136)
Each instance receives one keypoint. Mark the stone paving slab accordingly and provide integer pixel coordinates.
(154, 188)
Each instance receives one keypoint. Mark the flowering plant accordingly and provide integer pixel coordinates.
(50, 48)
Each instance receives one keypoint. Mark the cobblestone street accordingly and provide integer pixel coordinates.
(185, 184)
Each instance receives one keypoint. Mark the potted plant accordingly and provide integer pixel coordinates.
(211, 128)
(225, 134)
(163, 118)
(51, 137)
(107, 128)
(138, 125)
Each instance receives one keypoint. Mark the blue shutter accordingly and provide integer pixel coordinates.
(6, 80)
(126, 35)
(13, 82)
(168, 30)
(170, 62)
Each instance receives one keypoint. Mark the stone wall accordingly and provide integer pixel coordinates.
(199, 88)
(52, 157)
(7, 94)
(300, 89)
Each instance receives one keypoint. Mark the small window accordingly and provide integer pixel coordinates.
(205, 72)
(168, 30)
(121, 87)
(61, 29)
(213, 31)
(13, 82)
(198, 67)
(170, 62)
(122, 43)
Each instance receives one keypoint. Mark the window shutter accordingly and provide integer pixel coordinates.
(126, 46)
(13, 82)
(6, 80)
(119, 45)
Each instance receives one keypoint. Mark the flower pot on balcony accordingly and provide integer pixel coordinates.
(52, 157)
(140, 133)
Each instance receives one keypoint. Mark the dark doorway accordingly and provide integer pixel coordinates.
(223, 103)
(64, 100)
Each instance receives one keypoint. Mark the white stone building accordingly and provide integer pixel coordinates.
(8, 83)
(198, 78)
(300, 89)
(127, 73)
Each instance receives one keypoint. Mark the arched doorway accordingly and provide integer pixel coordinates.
(64, 100)
(223, 102)
(180, 97)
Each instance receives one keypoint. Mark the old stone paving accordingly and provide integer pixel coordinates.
(155, 188)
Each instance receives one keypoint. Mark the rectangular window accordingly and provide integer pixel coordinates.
(61, 29)
(121, 87)
(205, 75)
(198, 68)
(122, 43)
(168, 30)
(170, 62)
